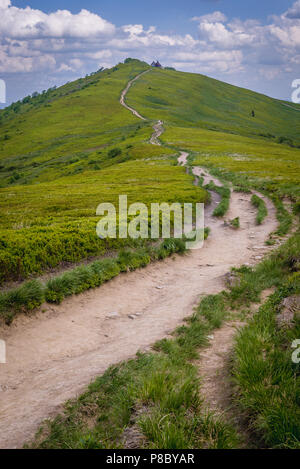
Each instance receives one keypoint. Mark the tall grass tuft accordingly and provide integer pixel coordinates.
(23, 299)
(225, 194)
(262, 210)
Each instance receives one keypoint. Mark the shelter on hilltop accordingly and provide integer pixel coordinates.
(156, 64)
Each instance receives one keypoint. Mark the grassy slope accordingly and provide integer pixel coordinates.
(75, 124)
(56, 170)
(192, 100)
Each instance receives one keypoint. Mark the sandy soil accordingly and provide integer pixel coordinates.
(53, 356)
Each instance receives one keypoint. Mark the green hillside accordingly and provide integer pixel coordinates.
(69, 149)
(187, 99)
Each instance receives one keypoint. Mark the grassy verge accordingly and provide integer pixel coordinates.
(267, 379)
(262, 211)
(284, 217)
(155, 397)
(33, 293)
(225, 194)
(272, 272)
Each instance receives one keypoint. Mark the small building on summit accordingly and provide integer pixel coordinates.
(156, 64)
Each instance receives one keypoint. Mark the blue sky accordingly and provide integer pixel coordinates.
(250, 43)
(171, 15)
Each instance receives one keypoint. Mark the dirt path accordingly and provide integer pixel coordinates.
(214, 372)
(157, 127)
(158, 131)
(53, 356)
(124, 93)
(291, 107)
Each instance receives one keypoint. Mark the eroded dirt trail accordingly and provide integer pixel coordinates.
(54, 355)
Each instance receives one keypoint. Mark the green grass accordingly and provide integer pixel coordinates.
(196, 101)
(32, 294)
(56, 223)
(251, 161)
(262, 211)
(24, 299)
(267, 379)
(225, 194)
(235, 223)
(271, 272)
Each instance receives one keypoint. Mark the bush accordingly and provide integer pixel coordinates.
(114, 152)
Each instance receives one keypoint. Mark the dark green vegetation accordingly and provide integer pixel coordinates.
(56, 223)
(158, 394)
(262, 211)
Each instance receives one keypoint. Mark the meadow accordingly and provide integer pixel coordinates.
(56, 223)
(64, 155)
(195, 101)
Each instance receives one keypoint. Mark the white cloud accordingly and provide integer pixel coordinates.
(216, 17)
(294, 11)
(30, 23)
(63, 44)
(5, 3)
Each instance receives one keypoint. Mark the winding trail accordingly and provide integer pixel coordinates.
(157, 127)
(53, 355)
(124, 93)
(291, 107)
